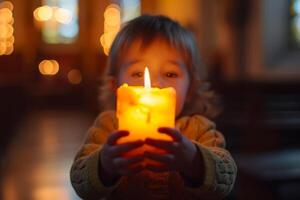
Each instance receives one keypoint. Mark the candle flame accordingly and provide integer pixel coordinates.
(147, 81)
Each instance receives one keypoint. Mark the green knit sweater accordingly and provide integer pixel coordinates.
(219, 167)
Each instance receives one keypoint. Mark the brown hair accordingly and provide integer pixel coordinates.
(148, 28)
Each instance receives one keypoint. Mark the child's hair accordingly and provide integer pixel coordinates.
(147, 28)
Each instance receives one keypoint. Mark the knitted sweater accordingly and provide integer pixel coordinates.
(219, 167)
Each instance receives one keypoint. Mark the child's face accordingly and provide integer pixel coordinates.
(165, 64)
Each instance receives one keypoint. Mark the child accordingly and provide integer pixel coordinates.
(195, 165)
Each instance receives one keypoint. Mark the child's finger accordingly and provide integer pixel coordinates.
(132, 170)
(175, 134)
(112, 139)
(156, 168)
(163, 158)
(122, 148)
(163, 144)
(124, 162)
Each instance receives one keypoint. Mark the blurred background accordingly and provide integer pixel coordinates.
(53, 52)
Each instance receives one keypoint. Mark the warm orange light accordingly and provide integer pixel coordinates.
(9, 50)
(50, 192)
(112, 10)
(9, 30)
(6, 28)
(43, 13)
(3, 31)
(112, 24)
(74, 76)
(35, 14)
(45, 67)
(2, 48)
(112, 15)
(5, 15)
(49, 67)
(106, 40)
(10, 40)
(7, 4)
(143, 109)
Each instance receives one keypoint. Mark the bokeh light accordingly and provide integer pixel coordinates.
(112, 15)
(295, 21)
(49, 67)
(130, 9)
(112, 24)
(9, 50)
(74, 76)
(2, 48)
(59, 23)
(43, 13)
(63, 16)
(297, 7)
(7, 4)
(6, 28)
(6, 15)
(3, 31)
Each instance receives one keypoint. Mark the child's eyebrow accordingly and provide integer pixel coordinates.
(126, 64)
(179, 63)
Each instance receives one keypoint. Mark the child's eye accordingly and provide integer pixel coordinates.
(171, 74)
(137, 74)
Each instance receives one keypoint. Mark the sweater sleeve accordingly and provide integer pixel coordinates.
(84, 173)
(218, 166)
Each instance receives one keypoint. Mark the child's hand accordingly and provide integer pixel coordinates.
(113, 164)
(180, 156)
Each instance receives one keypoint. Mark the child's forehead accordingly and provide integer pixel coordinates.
(139, 47)
(155, 54)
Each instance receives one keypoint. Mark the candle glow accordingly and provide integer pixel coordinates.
(142, 110)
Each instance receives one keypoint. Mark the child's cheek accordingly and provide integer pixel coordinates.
(179, 103)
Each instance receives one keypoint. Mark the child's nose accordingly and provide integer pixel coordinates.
(157, 82)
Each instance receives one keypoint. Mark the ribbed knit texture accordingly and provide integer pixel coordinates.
(219, 168)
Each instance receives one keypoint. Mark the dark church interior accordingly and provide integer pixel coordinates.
(53, 53)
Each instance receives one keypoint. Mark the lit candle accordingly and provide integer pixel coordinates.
(142, 110)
